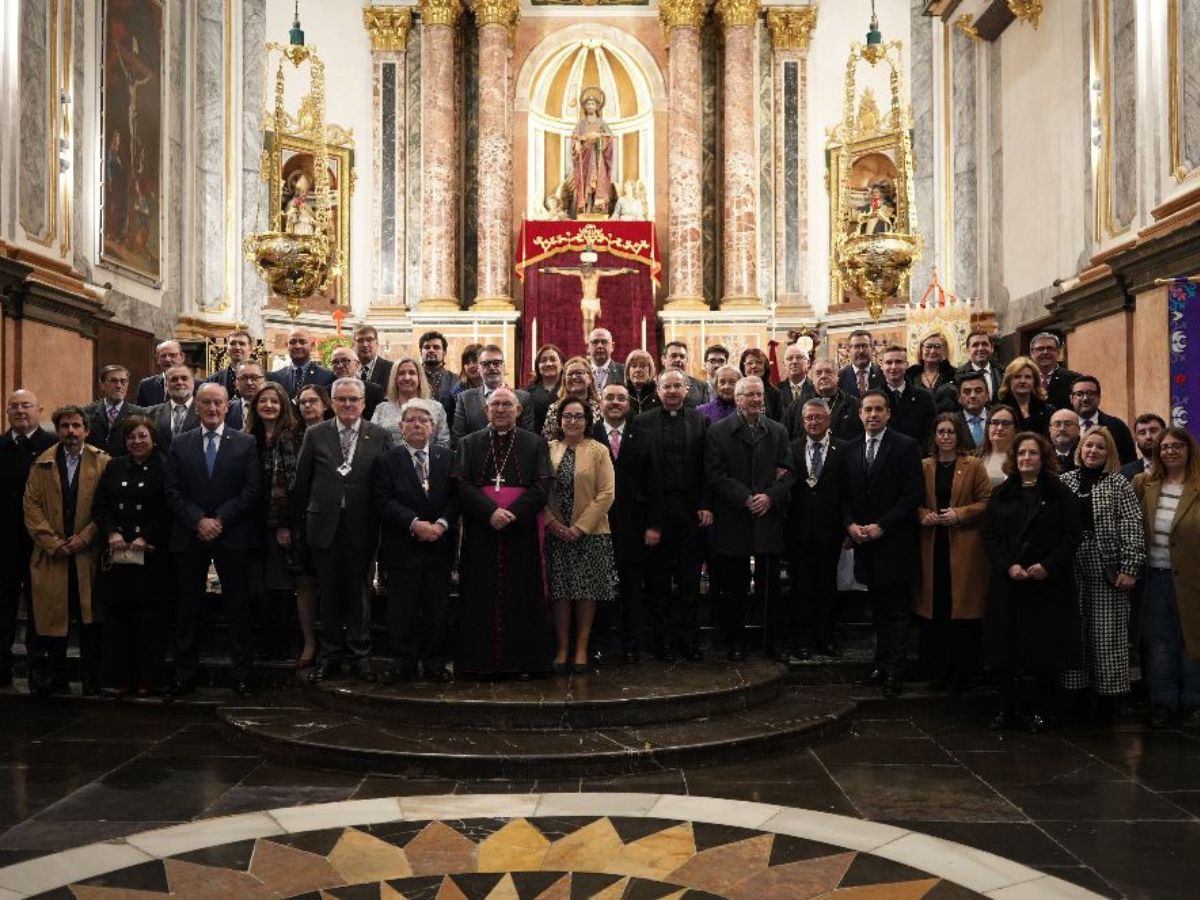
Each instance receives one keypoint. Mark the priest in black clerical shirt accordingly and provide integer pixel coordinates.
(504, 477)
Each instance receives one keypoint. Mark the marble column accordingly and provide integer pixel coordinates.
(495, 20)
(388, 27)
(682, 20)
(740, 177)
(791, 30)
(439, 156)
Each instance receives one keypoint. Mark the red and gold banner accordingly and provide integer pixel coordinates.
(632, 241)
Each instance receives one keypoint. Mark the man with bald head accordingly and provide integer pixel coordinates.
(152, 389)
(303, 369)
(605, 370)
(23, 442)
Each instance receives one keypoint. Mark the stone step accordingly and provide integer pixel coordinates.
(328, 738)
(614, 695)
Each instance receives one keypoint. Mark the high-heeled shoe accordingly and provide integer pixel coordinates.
(581, 668)
(559, 668)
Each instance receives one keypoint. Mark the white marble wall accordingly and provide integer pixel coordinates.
(412, 205)
(995, 291)
(921, 53)
(33, 195)
(1123, 120)
(766, 165)
(965, 165)
(1189, 82)
(252, 291)
(208, 155)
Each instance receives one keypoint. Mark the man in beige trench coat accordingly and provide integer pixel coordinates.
(58, 515)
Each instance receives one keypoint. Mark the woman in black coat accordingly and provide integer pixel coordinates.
(1031, 531)
(131, 510)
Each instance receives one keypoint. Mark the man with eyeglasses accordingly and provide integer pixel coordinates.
(345, 364)
(152, 389)
(605, 369)
(1085, 400)
(248, 378)
(1056, 379)
(504, 478)
(237, 351)
(470, 409)
(373, 368)
(1064, 435)
(1147, 430)
(107, 416)
(861, 374)
(332, 496)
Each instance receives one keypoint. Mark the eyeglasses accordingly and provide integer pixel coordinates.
(1085, 393)
(492, 363)
(1000, 423)
(250, 378)
(309, 401)
(1172, 448)
(572, 417)
(424, 420)
(347, 399)
(502, 404)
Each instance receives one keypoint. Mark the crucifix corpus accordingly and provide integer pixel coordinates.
(589, 280)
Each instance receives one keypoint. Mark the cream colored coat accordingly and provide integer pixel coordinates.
(595, 486)
(44, 521)
(969, 571)
(1185, 542)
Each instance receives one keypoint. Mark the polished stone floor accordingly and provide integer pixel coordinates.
(1116, 810)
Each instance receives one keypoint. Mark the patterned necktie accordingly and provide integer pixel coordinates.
(72, 468)
(297, 380)
(177, 417)
(1087, 425)
(423, 470)
(871, 442)
(113, 412)
(614, 441)
(210, 451)
(862, 381)
(816, 460)
(347, 439)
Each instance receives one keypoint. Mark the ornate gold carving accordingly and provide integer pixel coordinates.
(1026, 10)
(388, 26)
(496, 12)
(733, 13)
(966, 24)
(440, 12)
(792, 27)
(682, 13)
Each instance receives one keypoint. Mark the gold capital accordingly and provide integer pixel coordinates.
(1026, 10)
(682, 13)
(388, 26)
(966, 24)
(496, 12)
(791, 27)
(440, 12)
(733, 13)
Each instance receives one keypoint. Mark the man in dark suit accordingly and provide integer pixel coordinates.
(912, 408)
(237, 351)
(675, 356)
(981, 358)
(179, 413)
(417, 495)
(106, 417)
(636, 516)
(605, 370)
(303, 369)
(23, 442)
(844, 421)
(332, 495)
(815, 532)
(442, 381)
(1147, 430)
(1045, 349)
(748, 462)
(213, 483)
(972, 405)
(373, 368)
(249, 378)
(1064, 435)
(470, 407)
(152, 389)
(345, 365)
(1085, 400)
(677, 434)
(884, 487)
(795, 385)
(861, 374)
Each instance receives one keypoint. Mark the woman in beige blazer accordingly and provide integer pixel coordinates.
(1170, 496)
(579, 553)
(954, 561)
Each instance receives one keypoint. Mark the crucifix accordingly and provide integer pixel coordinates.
(589, 279)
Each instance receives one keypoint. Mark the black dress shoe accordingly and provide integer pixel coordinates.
(323, 672)
(893, 687)
(875, 679)
(736, 654)
(695, 654)
(630, 656)
(90, 688)
(1037, 724)
(179, 689)
(1003, 721)
(1160, 717)
(361, 671)
(243, 689)
(397, 676)
(833, 649)
(439, 674)
(799, 655)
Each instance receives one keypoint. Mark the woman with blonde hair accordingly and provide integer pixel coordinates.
(578, 382)
(639, 381)
(1021, 388)
(408, 382)
(1108, 565)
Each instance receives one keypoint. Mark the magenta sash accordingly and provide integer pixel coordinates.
(506, 496)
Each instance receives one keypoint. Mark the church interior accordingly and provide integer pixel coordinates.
(749, 173)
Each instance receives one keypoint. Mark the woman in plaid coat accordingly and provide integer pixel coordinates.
(1108, 565)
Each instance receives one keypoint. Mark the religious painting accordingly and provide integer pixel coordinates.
(131, 92)
(294, 203)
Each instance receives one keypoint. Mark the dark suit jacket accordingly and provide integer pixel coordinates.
(313, 374)
(470, 414)
(380, 374)
(100, 436)
(235, 415)
(695, 427)
(887, 497)
(739, 464)
(401, 499)
(844, 422)
(912, 413)
(815, 512)
(962, 417)
(699, 391)
(848, 380)
(788, 396)
(319, 491)
(151, 390)
(226, 378)
(1058, 393)
(230, 494)
(638, 504)
(1126, 447)
(160, 415)
(616, 372)
(15, 462)
(994, 376)
(1132, 469)
(373, 394)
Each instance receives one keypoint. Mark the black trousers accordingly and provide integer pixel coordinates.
(812, 568)
(733, 574)
(891, 606)
(676, 561)
(233, 569)
(53, 650)
(14, 584)
(342, 577)
(418, 609)
(133, 643)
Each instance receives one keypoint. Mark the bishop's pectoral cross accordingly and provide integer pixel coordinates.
(589, 279)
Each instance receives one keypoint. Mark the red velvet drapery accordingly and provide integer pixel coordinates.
(551, 311)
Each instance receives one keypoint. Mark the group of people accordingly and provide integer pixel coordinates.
(1023, 528)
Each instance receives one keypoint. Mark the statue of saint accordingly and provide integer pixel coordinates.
(879, 215)
(591, 156)
(589, 280)
(298, 215)
(554, 211)
(631, 206)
